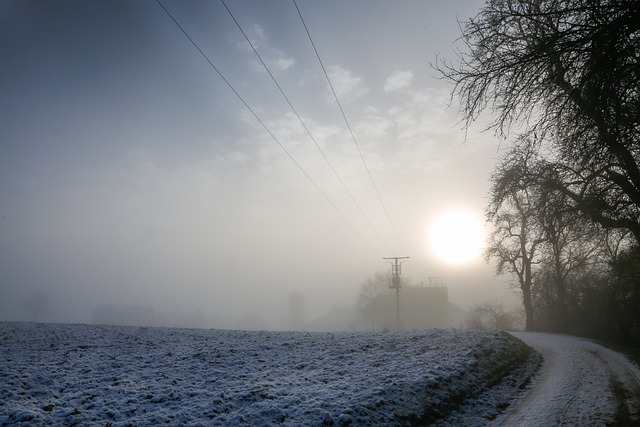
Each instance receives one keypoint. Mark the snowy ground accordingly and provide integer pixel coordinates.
(580, 383)
(54, 374)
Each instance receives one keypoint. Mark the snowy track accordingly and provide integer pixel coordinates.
(580, 383)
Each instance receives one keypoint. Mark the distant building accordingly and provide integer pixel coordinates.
(421, 307)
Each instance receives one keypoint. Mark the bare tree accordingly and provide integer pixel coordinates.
(572, 244)
(535, 225)
(513, 212)
(568, 70)
(379, 284)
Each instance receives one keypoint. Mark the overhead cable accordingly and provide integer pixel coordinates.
(305, 127)
(266, 128)
(349, 127)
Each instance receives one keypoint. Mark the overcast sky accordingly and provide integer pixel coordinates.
(130, 173)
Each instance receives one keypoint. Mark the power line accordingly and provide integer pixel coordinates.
(349, 126)
(305, 126)
(266, 128)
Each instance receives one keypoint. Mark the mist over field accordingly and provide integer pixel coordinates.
(132, 176)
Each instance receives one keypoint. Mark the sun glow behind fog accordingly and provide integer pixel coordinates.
(457, 237)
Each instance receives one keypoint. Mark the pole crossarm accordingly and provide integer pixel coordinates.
(396, 270)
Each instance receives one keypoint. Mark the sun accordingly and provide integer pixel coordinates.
(457, 237)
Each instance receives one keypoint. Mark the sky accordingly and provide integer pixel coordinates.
(132, 173)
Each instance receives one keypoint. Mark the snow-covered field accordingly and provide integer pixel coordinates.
(56, 374)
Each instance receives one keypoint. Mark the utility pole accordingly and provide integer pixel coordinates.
(396, 272)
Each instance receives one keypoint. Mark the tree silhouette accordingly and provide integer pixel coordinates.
(513, 208)
(570, 72)
(379, 284)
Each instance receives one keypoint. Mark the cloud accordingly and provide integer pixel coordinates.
(348, 86)
(275, 58)
(375, 124)
(282, 62)
(398, 80)
(257, 37)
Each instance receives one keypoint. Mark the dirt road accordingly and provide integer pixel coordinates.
(580, 383)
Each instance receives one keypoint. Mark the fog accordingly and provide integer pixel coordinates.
(132, 176)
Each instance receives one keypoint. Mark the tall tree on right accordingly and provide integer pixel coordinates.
(570, 72)
(514, 205)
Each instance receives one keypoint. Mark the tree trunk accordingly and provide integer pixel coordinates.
(525, 285)
(528, 308)
(561, 294)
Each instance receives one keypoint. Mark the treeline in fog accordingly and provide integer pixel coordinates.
(562, 81)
